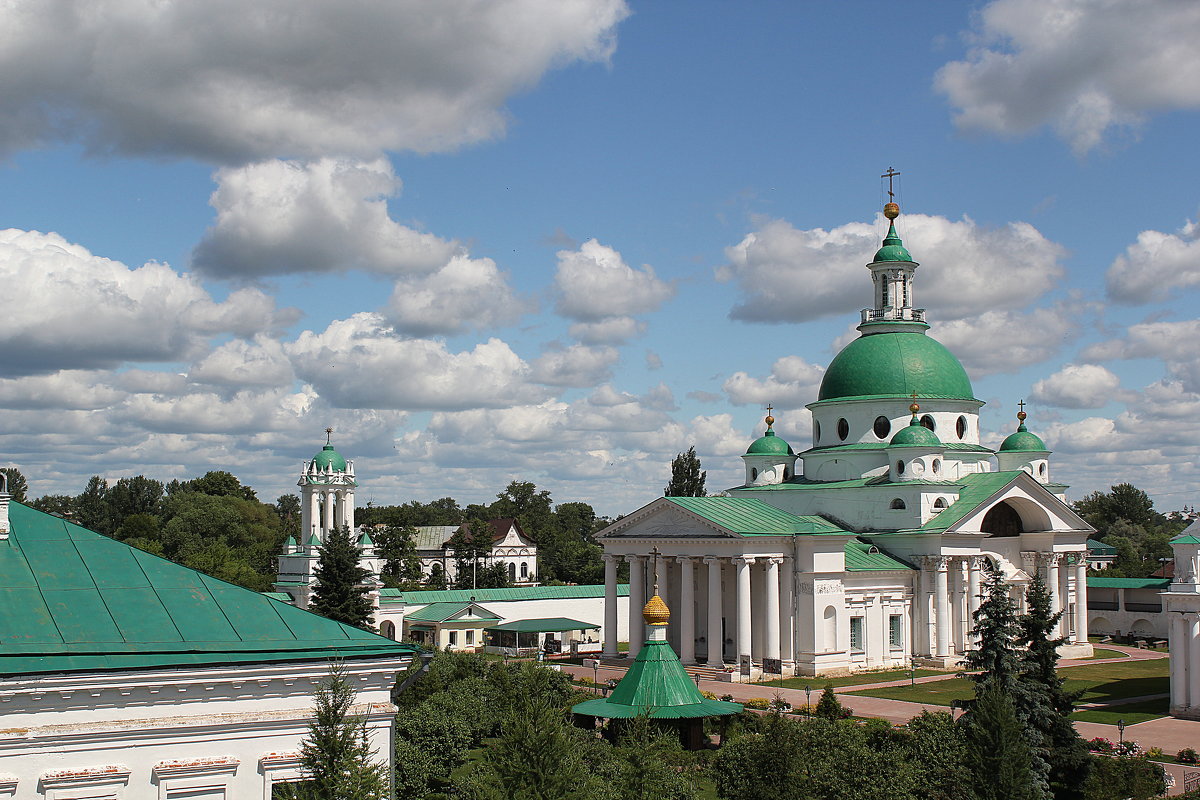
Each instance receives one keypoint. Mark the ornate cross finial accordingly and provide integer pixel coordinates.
(1021, 404)
(654, 568)
(890, 174)
(329, 436)
(1021, 414)
(769, 409)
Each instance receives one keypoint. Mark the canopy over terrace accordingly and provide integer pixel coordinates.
(526, 632)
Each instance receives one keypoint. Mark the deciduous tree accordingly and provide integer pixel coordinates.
(687, 479)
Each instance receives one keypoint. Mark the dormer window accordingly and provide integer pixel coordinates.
(898, 504)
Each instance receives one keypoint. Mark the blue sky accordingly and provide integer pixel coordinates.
(562, 241)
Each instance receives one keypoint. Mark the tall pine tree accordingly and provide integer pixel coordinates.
(687, 480)
(341, 593)
(997, 748)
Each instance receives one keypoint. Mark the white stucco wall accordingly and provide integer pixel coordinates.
(585, 609)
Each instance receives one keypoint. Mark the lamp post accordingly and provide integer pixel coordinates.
(808, 701)
(1121, 730)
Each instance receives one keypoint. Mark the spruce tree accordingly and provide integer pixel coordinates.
(687, 480)
(1067, 752)
(997, 748)
(340, 593)
(829, 707)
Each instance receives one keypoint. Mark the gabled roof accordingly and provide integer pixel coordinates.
(433, 537)
(497, 595)
(74, 600)
(979, 488)
(1098, 548)
(440, 612)
(748, 516)
(865, 557)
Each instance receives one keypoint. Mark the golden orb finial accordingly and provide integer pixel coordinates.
(914, 408)
(1021, 415)
(655, 612)
(891, 210)
(770, 420)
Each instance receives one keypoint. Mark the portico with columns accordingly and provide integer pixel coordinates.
(1181, 604)
(869, 548)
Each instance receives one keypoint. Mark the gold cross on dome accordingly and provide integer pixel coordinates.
(654, 568)
(890, 174)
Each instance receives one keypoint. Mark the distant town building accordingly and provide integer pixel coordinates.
(509, 546)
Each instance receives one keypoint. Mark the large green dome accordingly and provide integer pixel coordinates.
(328, 457)
(896, 364)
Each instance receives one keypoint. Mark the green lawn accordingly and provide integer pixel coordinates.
(1132, 713)
(857, 679)
(1099, 682)
(1101, 652)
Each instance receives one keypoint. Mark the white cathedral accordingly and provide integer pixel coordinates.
(871, 552)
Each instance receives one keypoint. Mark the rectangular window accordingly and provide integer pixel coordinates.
(453, 638)
(470, 637)
(895, 632)
(856, 633)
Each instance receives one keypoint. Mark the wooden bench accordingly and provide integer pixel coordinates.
(1161, 643)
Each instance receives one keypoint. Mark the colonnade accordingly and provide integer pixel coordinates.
(763, 589)
(1185, 664)
(325, 508)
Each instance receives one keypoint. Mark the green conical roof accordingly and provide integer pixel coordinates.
(893, 248)
(1023, 441)
(290, 542)
(914, 434)
(769, 444)
(313, 541)
(365, 540)
(328, 457)
(656, 684)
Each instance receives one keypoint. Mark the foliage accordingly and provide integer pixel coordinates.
(829, 707)
(650, 756)
(340, 593)
(687, 480)
(998, 749)
(18, 487)
(396, 546)
(1125, 518)
(1187, 756)
(336, 754)
(1135, 777)
(287, 507)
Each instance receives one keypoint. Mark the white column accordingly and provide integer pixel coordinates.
(327, 523)
(1064, 585)
(307, 504)
(637, 599)
(1081, 622)
(339, 508)
(348, 515)
(962, 605)
(716, 639)
(1192, 641)
(975, 565)
(743, 605)
(771, 637)
(687, 611)
(610, 606)
(787, 608)
(1052, 586)
(942, 603)
(1179, 651)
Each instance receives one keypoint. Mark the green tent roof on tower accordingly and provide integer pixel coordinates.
(656, 684)
(893, 248)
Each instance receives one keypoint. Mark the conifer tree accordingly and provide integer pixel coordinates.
(829, 707)
(997, 748)
(536, 757)
(340, 593)
(687, 480)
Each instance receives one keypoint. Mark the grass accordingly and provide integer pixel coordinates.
(1098, 682)
(1132, 713)
(1100, 652)
(857, 679)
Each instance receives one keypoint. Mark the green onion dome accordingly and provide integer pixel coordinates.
(328, 457)
(896, 363)
(1022, 440)
(914, 434)
(769, 443)
(893, 248)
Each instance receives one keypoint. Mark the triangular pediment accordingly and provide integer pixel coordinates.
(1039, 508)
(662, 519)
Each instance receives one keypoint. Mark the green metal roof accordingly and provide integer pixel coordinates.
(893, 247)
(72, 599)
(1022, 441)
(328, 457)
(914, 434)
(1128, 583)
(769, 444)
(498, 595)
(1099, 548)
(804, 484)
(748, 516)
(976, 489)
(657, 685)
(1185, 538)
(282, 597)
(440, 612)
(547, 625)
(433, 537)
(860, 558)
(895, 363)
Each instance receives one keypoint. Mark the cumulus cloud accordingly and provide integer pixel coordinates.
(231, 82)
(577, 365)
(1083, 67)
(1028, 338)
(788, 274)
(1156, 264)
(239, 363)
(1077, 386)
(1172, 342)
(600, 291)
(328, 215)
(465, 294)
(78, 310)
(360, 363)
(792, 383)
(67, 389)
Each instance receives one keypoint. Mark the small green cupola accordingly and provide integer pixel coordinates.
(892, 272)
(1024, 450)
(893, 247)
(915, 452)
(769, 458)
(328, 459)
(914, 434)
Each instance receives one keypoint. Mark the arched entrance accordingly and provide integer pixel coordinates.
(1002, 520)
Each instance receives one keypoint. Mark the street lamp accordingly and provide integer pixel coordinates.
(807, 700)
(1121, 730)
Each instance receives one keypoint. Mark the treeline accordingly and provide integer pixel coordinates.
(1125, 518)
(564, 533)
(213, 523)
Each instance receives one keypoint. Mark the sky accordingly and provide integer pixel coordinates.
(562, 241)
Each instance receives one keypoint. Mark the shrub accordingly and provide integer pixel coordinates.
(1155, 753)
(1187, 756)
(728, 698)
(1100, 745)
(758, 703)
(708, 695)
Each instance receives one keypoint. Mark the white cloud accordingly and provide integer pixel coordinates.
(1078, 386)
(1156, 264)
(360, 363)
(68, 389)
(78, 310)
(792, 383)
(329, 215)
(594, 285)
(577, 365)
(230, 82)
(465, 294)
(1025, 338)
(241, 364)
(1081, 66)
(1172, 342)
(788, 274)
(207, 412)
(613, 330)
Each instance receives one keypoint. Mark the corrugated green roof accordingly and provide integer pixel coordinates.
(498, 595)
(440, 612)
(74, 599)
(1128, 583)
(1186, 538)
(1099, 548)
(976, 489)
(656, 684)
(547, 625)
(432, 537)
(282, 597)
(860, 558)
(748, 516)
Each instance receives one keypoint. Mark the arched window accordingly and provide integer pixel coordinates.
(900, 466)
(754, 473)
(388, 628)
(939, 504)
(1042, 470)
(883, 426)
(1002, 520)
(961, 427)
(512, 571)
(843, 429)
(898, 504)
(524, 570)
(937, 465)
(928, 422)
